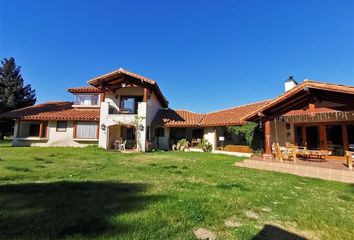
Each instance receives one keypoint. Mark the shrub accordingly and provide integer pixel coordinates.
(182, 144)
(205, 145)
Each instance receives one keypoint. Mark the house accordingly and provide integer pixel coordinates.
(125, 105)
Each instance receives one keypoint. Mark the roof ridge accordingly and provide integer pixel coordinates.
(244, 105)
(329, 83)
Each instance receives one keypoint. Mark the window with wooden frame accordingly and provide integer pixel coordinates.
(61, 126)
(32, 129)
(86, 130)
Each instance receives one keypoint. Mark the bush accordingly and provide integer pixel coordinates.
(182, 144)
(205, 145)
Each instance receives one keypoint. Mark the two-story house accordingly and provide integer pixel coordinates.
(122, 106)
(117, 105)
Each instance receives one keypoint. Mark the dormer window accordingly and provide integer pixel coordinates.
(86, 99)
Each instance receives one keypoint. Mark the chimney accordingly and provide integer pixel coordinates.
(290, 83)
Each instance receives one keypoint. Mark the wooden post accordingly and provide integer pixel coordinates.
(323, 137)
(98, 130)
(146, 92)
(74, 129)
(267, 141)
(41, 129)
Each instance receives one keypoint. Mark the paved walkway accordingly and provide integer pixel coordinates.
(330, 170)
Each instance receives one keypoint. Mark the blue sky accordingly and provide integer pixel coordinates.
(205, 55)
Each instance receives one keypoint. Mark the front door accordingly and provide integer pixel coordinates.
(313, 137)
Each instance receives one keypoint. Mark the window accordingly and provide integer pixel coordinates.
(129, 104)
(34, 130)
(86, 130)
(160, 132)
(86, 99)
(61, 126)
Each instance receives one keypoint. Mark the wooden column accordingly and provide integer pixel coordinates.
(74, 129)
(41, 129)
(146, 92)
(98, 130)
(267, 141)
(323, 136)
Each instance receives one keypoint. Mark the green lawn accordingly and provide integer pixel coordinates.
(71, 193)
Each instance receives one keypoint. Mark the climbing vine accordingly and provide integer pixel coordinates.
(247, 131)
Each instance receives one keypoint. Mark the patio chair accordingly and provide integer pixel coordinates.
(349, 155)
(122, 146)
(286, 154)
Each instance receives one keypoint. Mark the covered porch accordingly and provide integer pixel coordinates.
(121, 137)
(311, 124)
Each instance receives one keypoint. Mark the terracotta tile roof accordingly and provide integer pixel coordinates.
(307, 84)
(230, 117)
(121, 74)
(54, 111)
(86, 89)
(184, 118)
(177, 118)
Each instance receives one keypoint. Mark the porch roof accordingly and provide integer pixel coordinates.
(112, 81)
(54, 111)
(302, 95)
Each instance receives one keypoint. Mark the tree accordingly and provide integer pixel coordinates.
(14, 94)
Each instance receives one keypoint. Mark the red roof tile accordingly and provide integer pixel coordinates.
(184, 118)
(86, 89)
(177, 118)
(230, 117)
(54, 111)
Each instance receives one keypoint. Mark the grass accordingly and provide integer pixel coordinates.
(89, 193)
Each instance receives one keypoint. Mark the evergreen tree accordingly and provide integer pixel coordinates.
(13, 93)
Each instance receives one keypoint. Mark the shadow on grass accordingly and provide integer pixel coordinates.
(270, 232)
(63, 209)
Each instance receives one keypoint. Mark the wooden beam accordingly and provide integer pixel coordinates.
(267, 138)
(323, 136)
(98, 130)
(312, 106)
(74, 129)
(146, 92)
(41, 129)
(289, 103)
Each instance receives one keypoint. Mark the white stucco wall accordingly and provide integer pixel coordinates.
(209, 135)
(54, 138)
(153, 105)
(163, 142)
